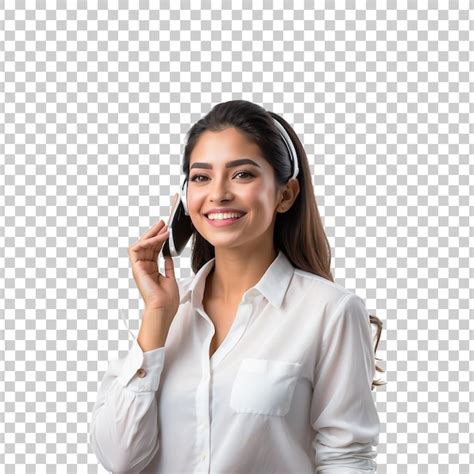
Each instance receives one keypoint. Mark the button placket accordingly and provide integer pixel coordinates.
(202, 413)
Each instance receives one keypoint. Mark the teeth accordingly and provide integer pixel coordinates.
(226, 215)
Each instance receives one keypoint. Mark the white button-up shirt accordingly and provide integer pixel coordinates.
(287, 391)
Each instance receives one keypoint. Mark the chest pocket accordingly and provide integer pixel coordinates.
(264, 386)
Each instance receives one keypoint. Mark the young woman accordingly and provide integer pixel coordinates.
(260, 362)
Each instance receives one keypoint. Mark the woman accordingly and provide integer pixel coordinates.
(258, 363)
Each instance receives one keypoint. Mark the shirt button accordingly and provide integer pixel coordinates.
(203, 456)
(141, 373)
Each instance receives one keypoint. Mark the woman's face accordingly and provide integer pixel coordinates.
(246, 187)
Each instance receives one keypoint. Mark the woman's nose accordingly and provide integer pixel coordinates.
(220, 187)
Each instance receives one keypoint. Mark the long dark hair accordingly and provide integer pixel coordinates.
(299, 232)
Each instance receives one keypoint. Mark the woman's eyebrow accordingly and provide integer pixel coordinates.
(229, 164)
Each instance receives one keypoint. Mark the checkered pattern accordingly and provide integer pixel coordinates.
(95, 101)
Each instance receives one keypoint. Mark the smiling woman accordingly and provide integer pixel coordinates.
(268, 364)
(248, 164)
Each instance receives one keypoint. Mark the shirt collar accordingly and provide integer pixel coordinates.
(272, 285)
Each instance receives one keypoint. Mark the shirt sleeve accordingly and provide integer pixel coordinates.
(124, 425)
(343, 412)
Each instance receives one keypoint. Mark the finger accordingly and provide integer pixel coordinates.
(153, 229)
(169, 266)
(150, 241)
(159, 243)
(162, 235)
(148, 249)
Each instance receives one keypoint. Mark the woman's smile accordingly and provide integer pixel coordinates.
(223, 222)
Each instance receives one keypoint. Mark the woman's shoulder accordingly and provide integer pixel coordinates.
(316, 288)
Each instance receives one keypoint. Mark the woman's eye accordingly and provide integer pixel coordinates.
(243, 172)
(194, 178)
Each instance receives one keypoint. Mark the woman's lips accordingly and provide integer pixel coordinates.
(224, 222)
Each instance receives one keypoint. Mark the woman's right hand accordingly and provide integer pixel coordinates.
(159, 292)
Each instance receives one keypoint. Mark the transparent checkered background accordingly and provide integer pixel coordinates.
(96, 99)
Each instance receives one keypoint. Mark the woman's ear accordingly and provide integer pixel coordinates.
(289, 194)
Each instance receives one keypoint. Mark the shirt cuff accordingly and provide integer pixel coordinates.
(141, 371)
